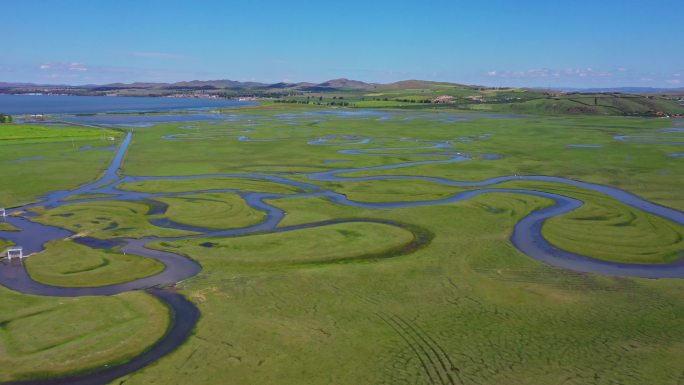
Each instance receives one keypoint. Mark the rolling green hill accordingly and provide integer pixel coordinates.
(406, 94)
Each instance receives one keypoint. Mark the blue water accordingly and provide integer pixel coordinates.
(57, 104)
(143, 120)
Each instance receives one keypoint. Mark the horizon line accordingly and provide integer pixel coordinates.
(19, 83)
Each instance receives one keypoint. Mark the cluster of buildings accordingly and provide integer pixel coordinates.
(194, 96)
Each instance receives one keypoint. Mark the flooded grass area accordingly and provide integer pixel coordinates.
(379, 236)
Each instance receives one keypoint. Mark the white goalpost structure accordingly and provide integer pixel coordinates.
(15, 252)
(3, 213)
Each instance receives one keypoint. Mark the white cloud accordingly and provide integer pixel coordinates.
(674, 82)
(63, 67)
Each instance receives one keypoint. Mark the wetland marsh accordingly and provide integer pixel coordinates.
(428, 223)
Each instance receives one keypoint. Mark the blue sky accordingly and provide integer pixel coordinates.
(498, 43)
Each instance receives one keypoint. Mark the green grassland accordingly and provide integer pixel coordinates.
(215, 210)
(467, 307)
(418, 95)
(602, 228)
(326, 244)
(606, 229)
(36, 133)
(598, 105)
(105, 219)
(532, 145)
(475, 302)
(181, 185)
(117, 219)
(4, 226)
(353, 302)
(66, 263)
(45, 336)
(38, 159)
(393, 191)
(4, 244)
(539, 146)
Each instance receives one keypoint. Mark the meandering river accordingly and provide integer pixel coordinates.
(527, 234)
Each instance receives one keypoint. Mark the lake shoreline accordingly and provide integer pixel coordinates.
(67, 104)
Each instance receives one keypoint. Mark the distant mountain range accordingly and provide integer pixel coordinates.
(334, 84)
(625, 101)
(327, 86)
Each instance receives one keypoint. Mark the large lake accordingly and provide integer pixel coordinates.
(58, 104)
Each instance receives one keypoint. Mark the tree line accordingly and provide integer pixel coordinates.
(4, 118)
